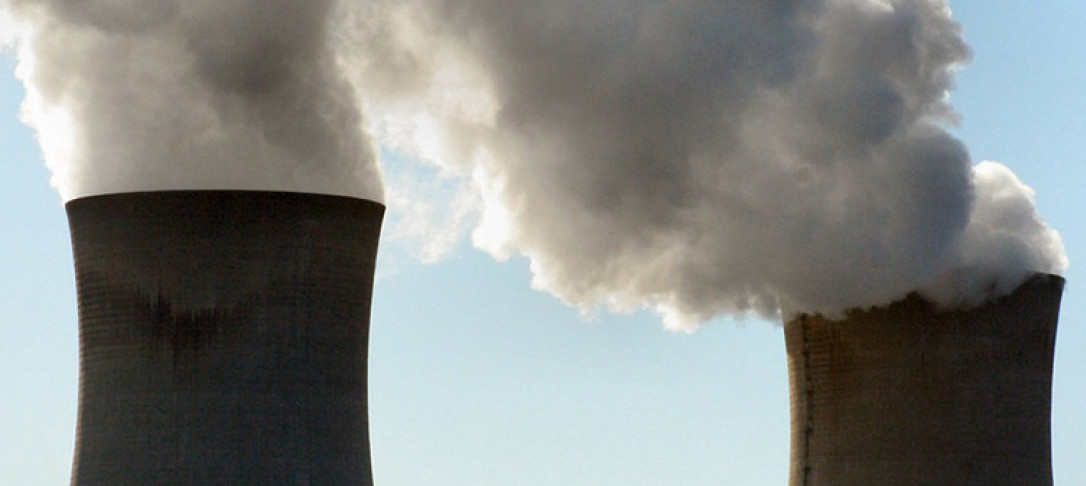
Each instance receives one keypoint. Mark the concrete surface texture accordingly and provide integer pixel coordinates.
(909, 395)
(223, 338)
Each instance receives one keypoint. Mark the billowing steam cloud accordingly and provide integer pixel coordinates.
(706, 158)
(146, 95)
(697, 157)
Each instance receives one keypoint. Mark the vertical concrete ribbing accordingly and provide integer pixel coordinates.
(223, 338)
(907, 395)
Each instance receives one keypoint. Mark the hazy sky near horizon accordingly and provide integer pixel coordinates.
(478, 380)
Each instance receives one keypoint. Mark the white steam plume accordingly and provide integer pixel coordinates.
(695, 157)
(706, 157)
(131, 95)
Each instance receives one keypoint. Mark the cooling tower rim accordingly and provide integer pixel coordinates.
(240, 192)
(1032, 279)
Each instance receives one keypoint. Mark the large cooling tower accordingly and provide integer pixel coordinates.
(906, 395)
(223, 338)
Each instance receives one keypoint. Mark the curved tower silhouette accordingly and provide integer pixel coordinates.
(909, 395)
(223, 338)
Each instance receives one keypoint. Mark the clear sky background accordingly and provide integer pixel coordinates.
(475, 379)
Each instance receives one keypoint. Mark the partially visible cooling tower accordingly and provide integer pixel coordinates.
(906, 395)
(223, 338)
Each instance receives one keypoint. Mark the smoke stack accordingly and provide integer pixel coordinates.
(223, 337)
(908, 394)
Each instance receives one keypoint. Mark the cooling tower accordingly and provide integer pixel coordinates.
(908, 395)
(223, 338)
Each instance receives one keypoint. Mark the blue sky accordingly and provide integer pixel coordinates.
(475, 379)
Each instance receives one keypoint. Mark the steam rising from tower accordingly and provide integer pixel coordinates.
(698, 158)
(707, 158)
(135, 96)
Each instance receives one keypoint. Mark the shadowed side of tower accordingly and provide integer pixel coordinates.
(908, 395)
(223, 338)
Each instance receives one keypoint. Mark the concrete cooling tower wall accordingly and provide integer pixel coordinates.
(908, 395)
(223, 338)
